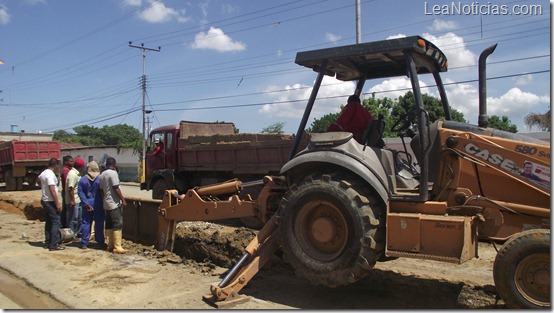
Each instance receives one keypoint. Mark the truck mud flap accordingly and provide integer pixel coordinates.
(140, 218)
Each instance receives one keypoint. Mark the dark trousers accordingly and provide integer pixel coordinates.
(63, 214)
(52, 225)
(98, 216)
(114, 219)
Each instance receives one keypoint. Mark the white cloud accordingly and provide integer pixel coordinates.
(330, 87)
(5, 17)
(134, 3)
(395, 87)
(157, 12)
(515, 103)
(523, 80)
(465, 99)
(215, 39)
(441, 25)
(454, 47)
(332, 37)
(396, 36)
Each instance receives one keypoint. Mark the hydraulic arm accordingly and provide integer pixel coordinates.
(203, 204)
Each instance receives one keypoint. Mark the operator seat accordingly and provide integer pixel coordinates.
(373, 134)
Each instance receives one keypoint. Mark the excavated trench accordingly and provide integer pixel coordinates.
(203, 242)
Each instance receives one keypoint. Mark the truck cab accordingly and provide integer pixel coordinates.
(164, 162)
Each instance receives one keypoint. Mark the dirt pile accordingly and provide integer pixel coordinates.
(31, 209)
(8, 204)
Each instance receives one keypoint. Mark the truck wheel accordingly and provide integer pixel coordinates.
(10, 181)
(158, 189)
(330, 229)
(19, 183)
(522, 270)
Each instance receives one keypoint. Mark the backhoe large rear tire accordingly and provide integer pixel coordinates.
(522, 270)
(331, 229)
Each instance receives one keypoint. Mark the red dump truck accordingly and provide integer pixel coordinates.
(22, 161)
(199, 153)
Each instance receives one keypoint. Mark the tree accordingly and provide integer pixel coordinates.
(541, 121)
(503, 123)
(275, 128)
(376, 106)
(122, 136)
(391, 110)
(319, 125)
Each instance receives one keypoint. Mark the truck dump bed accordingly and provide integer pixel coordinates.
(190, 129)
(28, 152)
(239, 153)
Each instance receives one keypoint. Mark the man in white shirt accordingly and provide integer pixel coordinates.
(48, 182)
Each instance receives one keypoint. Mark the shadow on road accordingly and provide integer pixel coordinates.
(379, 290)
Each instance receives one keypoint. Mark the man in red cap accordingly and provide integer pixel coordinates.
(74, 215)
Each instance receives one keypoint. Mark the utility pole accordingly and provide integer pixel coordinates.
(358, 22)
(143, 84)
(358, 37)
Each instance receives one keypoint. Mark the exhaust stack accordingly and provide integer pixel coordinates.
(483, 120)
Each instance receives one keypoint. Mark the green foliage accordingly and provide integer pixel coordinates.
(431, 104)
(503, 123)
(121, 136)
(391, 110)
(275, 128)
(319, 125)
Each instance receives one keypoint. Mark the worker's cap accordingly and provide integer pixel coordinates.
(79, 162)
(92, 170)
(157, 140)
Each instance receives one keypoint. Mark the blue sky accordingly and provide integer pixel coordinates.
(68, 63)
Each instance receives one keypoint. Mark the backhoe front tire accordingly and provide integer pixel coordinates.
(331, 230)
(522, 270)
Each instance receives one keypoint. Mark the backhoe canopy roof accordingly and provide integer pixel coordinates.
(379, 59)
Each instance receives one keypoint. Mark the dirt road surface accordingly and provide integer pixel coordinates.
(32, 277)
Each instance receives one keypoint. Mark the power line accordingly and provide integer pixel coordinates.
(333, 97)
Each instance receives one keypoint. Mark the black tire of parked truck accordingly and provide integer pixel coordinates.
(160, 186)
(11, 182)
(522, 270)
(331, 228)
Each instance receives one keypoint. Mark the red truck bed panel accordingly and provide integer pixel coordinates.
(238, 153)
(28, 151)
